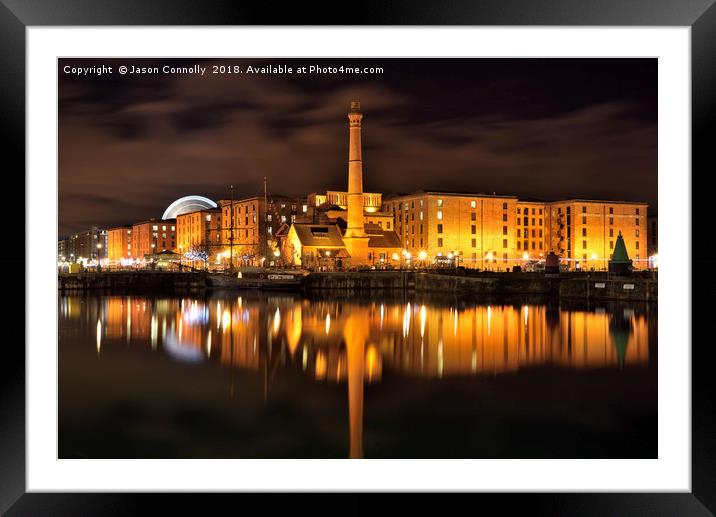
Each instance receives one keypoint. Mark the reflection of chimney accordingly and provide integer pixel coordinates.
(355, 174)
(355, 334)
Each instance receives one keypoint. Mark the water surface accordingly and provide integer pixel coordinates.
(280, 376)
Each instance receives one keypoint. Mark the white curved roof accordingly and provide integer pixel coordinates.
(187, 204)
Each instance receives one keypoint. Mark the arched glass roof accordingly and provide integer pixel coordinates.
(187, 204)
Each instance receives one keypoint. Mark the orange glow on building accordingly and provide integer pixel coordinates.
(119, 243)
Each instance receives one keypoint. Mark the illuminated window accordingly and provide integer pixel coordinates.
(155, 227)
(440, 202)
(440, 215)
(421, 215)
(305, 208)
(473, 204)
(637, 233)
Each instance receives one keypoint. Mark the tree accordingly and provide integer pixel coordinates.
(198, 252)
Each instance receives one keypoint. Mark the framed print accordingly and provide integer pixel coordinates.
(421, 252)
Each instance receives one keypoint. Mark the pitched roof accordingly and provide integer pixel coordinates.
(380, 238)
(322, 235)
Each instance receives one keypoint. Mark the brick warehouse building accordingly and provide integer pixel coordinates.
(498, 232)
(199, 231)
(119, 243)
(153, 236)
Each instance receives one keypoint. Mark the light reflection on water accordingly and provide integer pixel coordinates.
(355, 342)
(414, 338)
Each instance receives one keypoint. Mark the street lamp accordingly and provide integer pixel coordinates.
(422, 255)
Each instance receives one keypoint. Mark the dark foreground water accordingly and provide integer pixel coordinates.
(280, 376)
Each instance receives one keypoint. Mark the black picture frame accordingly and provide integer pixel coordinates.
(17, 15)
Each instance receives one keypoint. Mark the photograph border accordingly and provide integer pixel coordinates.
(17, 15)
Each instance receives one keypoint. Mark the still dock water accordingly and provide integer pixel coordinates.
(280, 376)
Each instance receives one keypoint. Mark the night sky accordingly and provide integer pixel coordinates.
(129, 145)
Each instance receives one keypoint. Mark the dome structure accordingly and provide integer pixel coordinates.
(187, 204)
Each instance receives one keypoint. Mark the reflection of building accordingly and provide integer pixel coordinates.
(409, 337)
(368, 236)
(153, 236)
(119, 243)
(356, 343)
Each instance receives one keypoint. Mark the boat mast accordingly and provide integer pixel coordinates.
(264, 252)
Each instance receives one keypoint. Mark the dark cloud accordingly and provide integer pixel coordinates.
(544, 128)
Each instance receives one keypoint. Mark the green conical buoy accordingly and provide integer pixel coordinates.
(620, 262)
